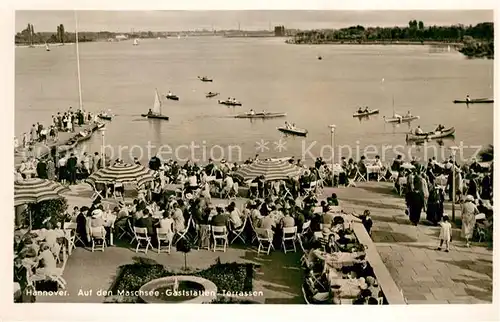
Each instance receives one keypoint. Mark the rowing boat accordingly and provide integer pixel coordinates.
(154, 116)
(404, 119)
(230, 103)
(371, 112)
(205, 79)
(211, 94)
(104, 117)
(172, 97)
(430, 135)
(474, 101)
(295, 131)
(260, 115)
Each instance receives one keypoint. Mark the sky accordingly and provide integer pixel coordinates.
(125, 21)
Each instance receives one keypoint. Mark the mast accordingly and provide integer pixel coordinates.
(393, 109)
(78, 64)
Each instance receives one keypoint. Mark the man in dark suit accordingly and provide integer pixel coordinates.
(71, 168)
(220, 219)
(41, 169)
(146, 221)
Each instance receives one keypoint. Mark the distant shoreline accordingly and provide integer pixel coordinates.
(420, 43)
(43, 45)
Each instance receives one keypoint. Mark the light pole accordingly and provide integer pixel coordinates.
(453, 154)
(332, 136)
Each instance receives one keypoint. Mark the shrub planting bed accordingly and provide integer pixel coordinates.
(228, 277)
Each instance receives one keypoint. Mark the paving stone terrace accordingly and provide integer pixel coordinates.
(425, 275)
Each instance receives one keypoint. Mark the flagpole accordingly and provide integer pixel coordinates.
(78, 64)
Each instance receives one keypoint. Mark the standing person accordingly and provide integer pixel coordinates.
(86, 162)
(71, 166)
(62, 169)
(33, 134)
(70, 123)
(51, 169)
(25, 140)
(445, 234)
(41, 170)
(96, 162)
(435, 206)
(64, 122)
(415, 202)
(469, 212)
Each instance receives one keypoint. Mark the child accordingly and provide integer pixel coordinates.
(445, 234)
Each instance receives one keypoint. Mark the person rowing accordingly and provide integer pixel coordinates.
(418, 131)
(287, 125)
(252, 112)
(360, 110)
(367, 109)
(408, 115)
(439, 128)
(467, 99)
(150, 112)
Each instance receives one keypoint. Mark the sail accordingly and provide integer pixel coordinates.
(157, 104)
(136, 42)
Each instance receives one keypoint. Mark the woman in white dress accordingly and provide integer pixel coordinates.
(469, 212)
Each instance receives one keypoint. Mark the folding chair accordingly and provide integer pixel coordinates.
(182, 234)
(131, 230)
(98, 234)
(117, 194)
(359, 176)
(254, 232)
(238, 233)
(204, 237)
(289, 235)
(287, 192)
(123, 230)
(219, 233)
(301, 237)
(141, 235)
(70, 234)
(163, 235)
(264, 236)
(394, 176)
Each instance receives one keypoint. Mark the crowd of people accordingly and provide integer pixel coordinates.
(61, 122)
(426, 188)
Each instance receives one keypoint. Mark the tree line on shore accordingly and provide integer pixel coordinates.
(477, 40)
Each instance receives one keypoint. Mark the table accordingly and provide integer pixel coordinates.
(373, 169)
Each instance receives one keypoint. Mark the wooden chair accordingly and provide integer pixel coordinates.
(239, 232)
(219, 233)
(264, 236)
(98, 234)
(163, 235)
(141, 235)
(289, 235)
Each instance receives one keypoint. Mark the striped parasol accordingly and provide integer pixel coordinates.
(36, 190)
(122, 173)
(270, 169)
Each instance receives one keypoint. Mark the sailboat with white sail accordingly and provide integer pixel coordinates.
(155, 112)
(136, 42)
(396, 118)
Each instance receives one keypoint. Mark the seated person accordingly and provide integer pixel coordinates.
(396, 164)
(234, 216)
(332, 200)
(220, 219)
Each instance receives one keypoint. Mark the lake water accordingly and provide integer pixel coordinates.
(264, 74)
